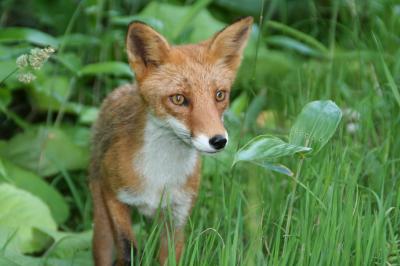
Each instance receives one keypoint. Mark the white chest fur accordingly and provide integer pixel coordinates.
(164, 163)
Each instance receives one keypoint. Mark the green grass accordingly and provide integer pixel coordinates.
(348, 214)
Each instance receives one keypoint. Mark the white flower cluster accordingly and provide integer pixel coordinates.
(26, 77)
(352, 118)
(35, 60)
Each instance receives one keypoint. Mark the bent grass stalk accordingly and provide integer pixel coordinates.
(291, 203)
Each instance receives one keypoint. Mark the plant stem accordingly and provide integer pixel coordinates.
(14, 117)
(63, 106)
(291, 203)
(9, 75)
(189, 16)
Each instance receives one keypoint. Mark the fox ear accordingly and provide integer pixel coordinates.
(227, 45)
(146, 48)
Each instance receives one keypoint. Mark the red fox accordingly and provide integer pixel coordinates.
(147, 139)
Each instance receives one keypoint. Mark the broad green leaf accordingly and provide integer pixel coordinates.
(111, 68)
(28, 35)
(256, 106)
(78, 135)
(315, 125)
(17, 259)
(53, 94)
(190, 14)
(45, 151)
(79, 40)
(240, 104)
(5, 98)
(22, 212)
(49, 94)
(201, 26)
(11, 52)
(67, 245)
(301, 36)
(6, 68)
(70, 61)
(66, 249)
(279, 168)
(13, 258)
(88, 115)
(36, 185)
(126, 20)
(293, 44)
(252, 7)
(267, 148)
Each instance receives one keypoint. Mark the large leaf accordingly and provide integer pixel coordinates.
(240, 104)
(112, 68)
(79, 40)
(37, 186)
(12, 258)
(5, 99)
(255, 107)
(49, 94)
(201, 24)
(279, 168)
(46, 151)
(53, 94)
(251, 7)
(21, 213)
(88, 115)
(267, 148)
(293, 44)
(6, 68)
(68, 245)
(27, 34)
(315, 125)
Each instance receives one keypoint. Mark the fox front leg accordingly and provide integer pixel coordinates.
(176, 238)
(120, 216)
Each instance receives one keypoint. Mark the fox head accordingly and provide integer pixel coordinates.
(187, 86)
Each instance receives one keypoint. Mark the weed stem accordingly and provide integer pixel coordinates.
(291, 203)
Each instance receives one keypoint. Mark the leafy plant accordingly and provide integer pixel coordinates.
(348, 196)
(312, 129)
(34, 184)
(46, 151)
(22, 214)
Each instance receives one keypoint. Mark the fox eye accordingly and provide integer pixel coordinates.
(178, 99)
(220, 96)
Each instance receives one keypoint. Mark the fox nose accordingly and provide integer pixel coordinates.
(218, 142)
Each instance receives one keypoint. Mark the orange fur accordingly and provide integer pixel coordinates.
(120, 163)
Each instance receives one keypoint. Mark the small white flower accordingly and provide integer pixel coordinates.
(352, 128)
(38, 57)
(352, 120)
(34, 60)
(351, 114)
(50, 50)
(26, 78)
(22, 61)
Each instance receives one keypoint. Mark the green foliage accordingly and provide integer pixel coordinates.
(37, 186)
(267, 148)
(341, 197)
(42, 150)
(22, 214)
(111, 68)
(263, 150)
(29, 35)
(315, 125)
